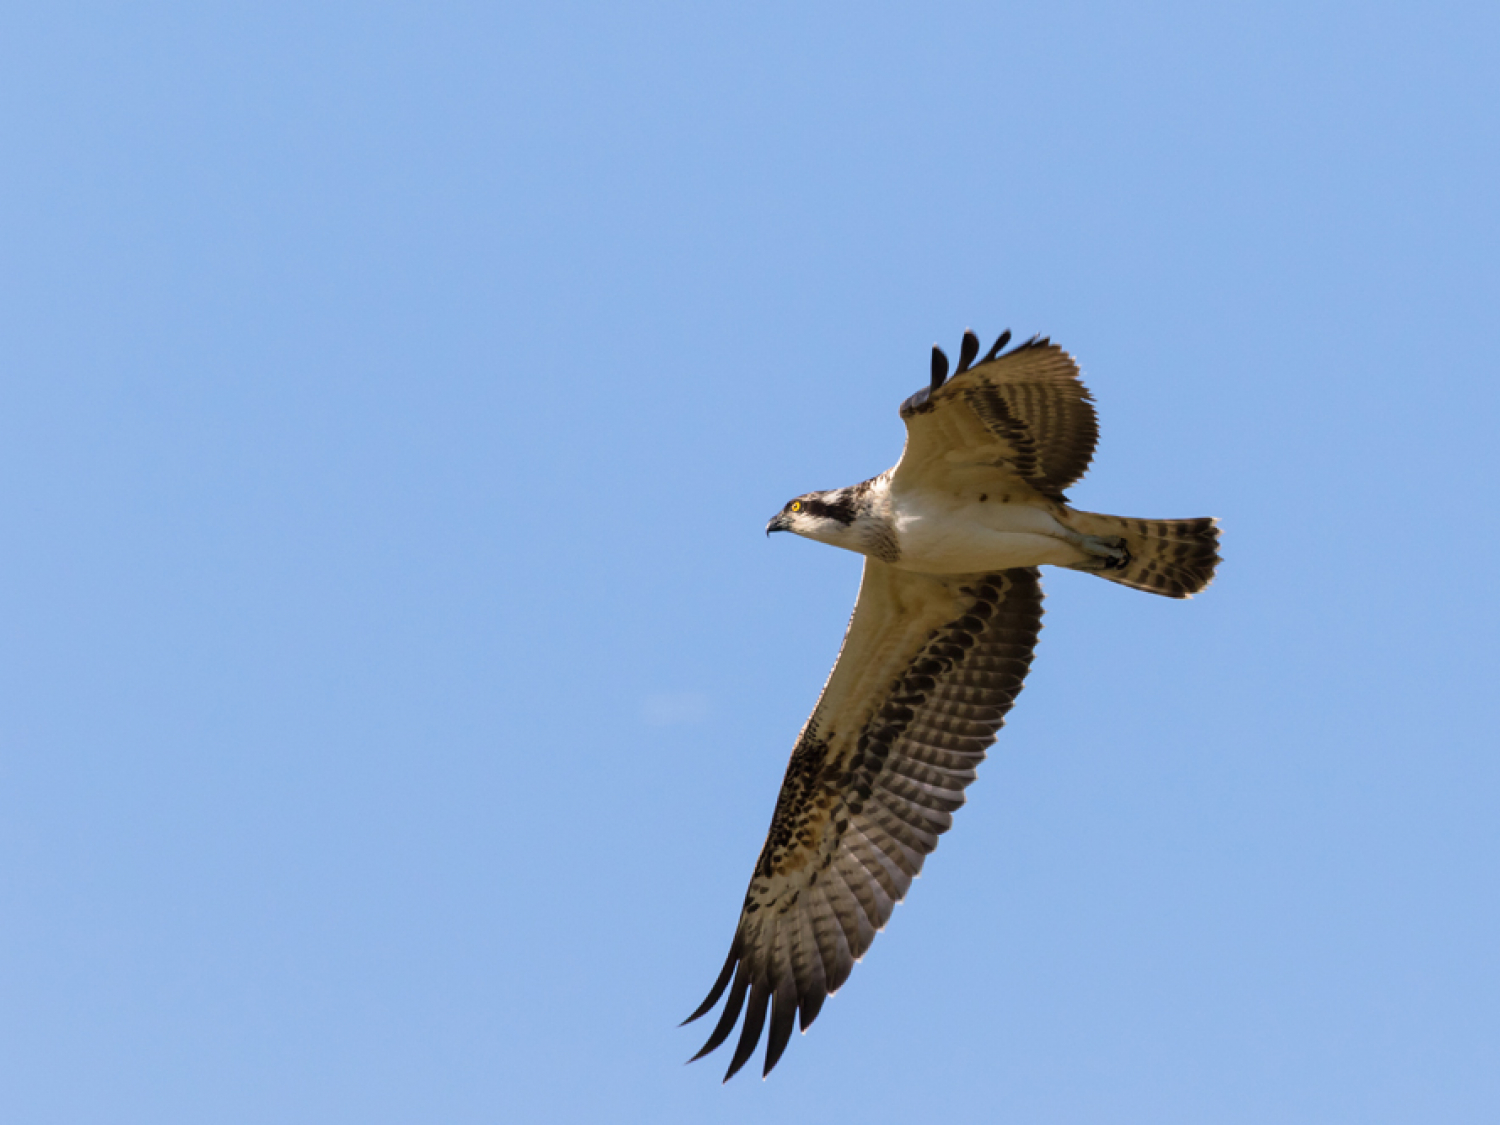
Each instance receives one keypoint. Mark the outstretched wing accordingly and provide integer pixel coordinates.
(1025, 414)
(928, 669)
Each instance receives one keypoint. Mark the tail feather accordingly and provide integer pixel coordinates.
(1174, 558)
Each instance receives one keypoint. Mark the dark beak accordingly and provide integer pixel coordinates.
(778, 523)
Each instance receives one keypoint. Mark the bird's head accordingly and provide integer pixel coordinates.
(828, 517)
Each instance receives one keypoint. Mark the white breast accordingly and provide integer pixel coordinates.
(941, 533)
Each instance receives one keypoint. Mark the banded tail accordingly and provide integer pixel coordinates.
(1174, 558)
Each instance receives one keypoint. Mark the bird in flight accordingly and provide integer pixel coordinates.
(940, 642)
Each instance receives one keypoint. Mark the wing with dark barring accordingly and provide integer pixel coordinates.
(928, 670)
(1025, 411)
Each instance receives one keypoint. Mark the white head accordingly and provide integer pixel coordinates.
(829, 517)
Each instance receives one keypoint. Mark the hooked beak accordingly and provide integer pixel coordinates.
(779, 522)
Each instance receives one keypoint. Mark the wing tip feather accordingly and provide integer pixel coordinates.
(730, 1015)
(939, 367)
(719, 985)
(755, 1020)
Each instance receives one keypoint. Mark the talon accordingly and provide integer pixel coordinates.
(1110, 553)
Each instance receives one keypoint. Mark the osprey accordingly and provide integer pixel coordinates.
(941, 639)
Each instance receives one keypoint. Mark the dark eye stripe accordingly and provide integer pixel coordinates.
(841, 510)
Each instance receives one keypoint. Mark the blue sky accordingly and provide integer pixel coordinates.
(395, 681)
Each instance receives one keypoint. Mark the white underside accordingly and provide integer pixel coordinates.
(945, 534)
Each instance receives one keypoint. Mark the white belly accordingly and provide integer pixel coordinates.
(946, 535)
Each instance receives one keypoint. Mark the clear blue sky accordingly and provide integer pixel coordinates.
(395, 681)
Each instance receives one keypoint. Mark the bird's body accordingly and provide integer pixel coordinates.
(940, 642)
(928, 530)
(942, 533)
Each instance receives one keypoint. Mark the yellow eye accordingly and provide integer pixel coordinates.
(796, 505)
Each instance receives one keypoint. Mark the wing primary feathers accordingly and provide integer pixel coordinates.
(919, 402)
(810, 1008)
(783, 1019)
(939, 367)
(823, 943)
(838, 956)
(719, 985)
(967, 351)
(731, 1013)
(1003, 339)
(850, 915)
(755, 1019)
(807, 962)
